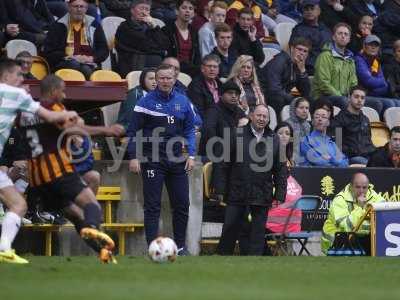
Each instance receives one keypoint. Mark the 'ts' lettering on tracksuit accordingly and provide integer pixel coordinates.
(160, 126)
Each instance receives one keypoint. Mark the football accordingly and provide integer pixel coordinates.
(163, 249)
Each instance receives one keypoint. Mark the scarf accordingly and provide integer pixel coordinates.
(375, 65)
(77, 27)
(256, 88)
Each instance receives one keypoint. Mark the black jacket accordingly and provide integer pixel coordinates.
(193, 67)
(391, 70)
(387, 26)
(242, 44)
(120, 8)
(331, 17)
(251, 182)
(318, 35)
(360, 8)
(139, 46)
(280, 75)
(200, 95)
(380, 158)
(356, 133)
(56, 41)
(226, 62)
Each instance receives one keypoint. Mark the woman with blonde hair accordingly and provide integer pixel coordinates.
(243, 73)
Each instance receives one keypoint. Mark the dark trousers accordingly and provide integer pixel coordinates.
(85, 69)
(234, 219)
(176, 181)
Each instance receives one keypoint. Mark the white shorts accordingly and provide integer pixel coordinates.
(5, 181)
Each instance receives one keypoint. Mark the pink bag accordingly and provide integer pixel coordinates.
(277, 216)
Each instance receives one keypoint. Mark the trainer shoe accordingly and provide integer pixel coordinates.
(103, 239)
(12, 258)
(106, 257)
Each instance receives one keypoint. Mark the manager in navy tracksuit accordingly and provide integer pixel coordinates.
(161, 121)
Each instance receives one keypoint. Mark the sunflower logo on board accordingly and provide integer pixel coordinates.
(327, 186)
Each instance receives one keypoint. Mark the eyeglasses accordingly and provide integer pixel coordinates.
(24, 62)
(211, 66)
(79, 6)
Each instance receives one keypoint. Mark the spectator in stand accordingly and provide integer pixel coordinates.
(355, 128)
(227, 54)
(299, 112)
(244, 75)
(327, 105)
(271, 15)
(365, 8)
(391, 70)
(184, 42)
(334, 12)
(386, 27)
(139, 42)
(335, 71)
(25, 60)
(76, 41)
(313, 30)
(205, 89)
(60, 7)
(164, 10)
(388, 156)
(286, 71)
(363, 30)
(370, 74)
(245, 39)
(286, 136)
(202, 16)
(32, 17)
(233, 15)
(317, 149)
(291, 9)
(206, 34)
(174, 63)
(147, 83)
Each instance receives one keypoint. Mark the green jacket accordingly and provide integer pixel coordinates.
(334, 73)
(344, 215)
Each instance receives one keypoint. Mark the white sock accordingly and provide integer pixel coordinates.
(9, 230)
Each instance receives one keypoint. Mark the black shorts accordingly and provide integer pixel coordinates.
(61, 192)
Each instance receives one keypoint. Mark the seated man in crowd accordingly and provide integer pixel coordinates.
(286, 71)
(347, 209)
(184, 42)
(32, 17)
(139, 42)
(206, 34)
(334, 12)
(335, 71)
(387, 156)
(245, 37)
(76, 41)
(227, 54)
(205, 89)
(233, 15)
(25, 60)
(312, 29)
(370, 74)
(391, 70)
(271, 14)
(356, 130)
(318, 149)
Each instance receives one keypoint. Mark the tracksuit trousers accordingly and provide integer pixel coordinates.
(154, 175)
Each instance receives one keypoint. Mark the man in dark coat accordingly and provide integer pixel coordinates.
(139, 42)
(255, 170)
(388, 156)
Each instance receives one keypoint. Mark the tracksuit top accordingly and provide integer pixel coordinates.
(173, 114)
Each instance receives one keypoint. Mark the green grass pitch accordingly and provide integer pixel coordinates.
(204, 277)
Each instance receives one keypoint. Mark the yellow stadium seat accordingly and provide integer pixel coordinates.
(207, 172)
(380, 134)
(70, 75)
(105, 75)
(40, 68)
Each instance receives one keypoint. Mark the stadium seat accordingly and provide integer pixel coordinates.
(307, 204)
(14, 47)
(269, 54)
(110, 26)
(105, 75)
(392, 117)
(110, 113)
(336, 110)
(133, 79)
(185, 79)
(40, 67)
(70, 75)
(371, 114)
(207, 174)
(158, 22)
(379, 134)
(272, 118)
(283, 32)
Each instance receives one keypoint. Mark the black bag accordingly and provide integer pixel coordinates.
(346, 244)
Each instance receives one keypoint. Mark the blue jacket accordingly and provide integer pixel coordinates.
(375, 84)
(320, 151)
(83, 164)
(173, 114)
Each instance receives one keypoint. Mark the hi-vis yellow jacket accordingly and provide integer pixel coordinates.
(344, 215)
